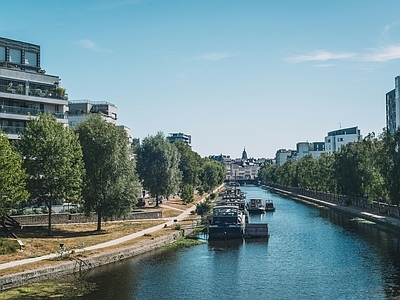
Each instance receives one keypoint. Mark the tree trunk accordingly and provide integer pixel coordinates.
(156, 200)
(99, 221)
(49, 229)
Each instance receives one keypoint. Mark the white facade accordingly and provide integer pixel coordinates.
(306, 148)
(25, 89)
(282, 156)
(80, 110)
(335, 139)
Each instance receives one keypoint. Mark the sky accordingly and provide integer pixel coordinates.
(260, 75)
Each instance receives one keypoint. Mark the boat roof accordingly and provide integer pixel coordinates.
(226, 206)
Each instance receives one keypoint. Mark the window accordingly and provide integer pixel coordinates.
(30, 58)
(2, 53)
(15, 56)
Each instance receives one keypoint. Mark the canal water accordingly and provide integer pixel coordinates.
(312, 253)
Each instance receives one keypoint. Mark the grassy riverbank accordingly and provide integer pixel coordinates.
(79, 236)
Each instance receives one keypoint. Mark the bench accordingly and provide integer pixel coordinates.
(21, 244)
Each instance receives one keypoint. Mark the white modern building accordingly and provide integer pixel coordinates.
(282, 155)
(180, 137)
(393, 107)
(306, 148)
(80, 110)
(25, 89)
(337, 138)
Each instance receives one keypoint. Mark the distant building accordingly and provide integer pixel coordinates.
(180, 137)
(282, 155)
(393, 107)
(337, 138)
(306, 148)
(80, 110)
(244, 154)
(25, 89)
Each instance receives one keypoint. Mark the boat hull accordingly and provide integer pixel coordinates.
(225, 232)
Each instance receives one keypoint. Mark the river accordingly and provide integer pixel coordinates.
(312, 253)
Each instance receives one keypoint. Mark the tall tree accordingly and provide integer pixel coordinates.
(12, 177)
(111, 187)
(190, 167)
(158, 166)
(53, 160)
(213, 173)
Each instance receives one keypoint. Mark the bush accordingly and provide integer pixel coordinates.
(8, 246)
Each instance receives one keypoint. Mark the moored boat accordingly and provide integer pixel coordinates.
(228, 222)
(255, 206)
(269, 205)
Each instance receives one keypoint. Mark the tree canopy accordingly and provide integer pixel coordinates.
(370, 167)
(158, 166)
(12, 177)
(111, 185)
(53, 160)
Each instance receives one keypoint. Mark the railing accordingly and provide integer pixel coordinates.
(12, 130)
(15, 110)
(20, 89)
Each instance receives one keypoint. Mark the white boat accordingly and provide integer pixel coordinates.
(255, 206)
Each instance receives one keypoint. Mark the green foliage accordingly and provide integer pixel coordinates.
(12, 177)
(187, 194)
(213, 173)
(111, 187)
(184, 242)
(53, 160)
(370, 167)
(158, 166)
(8, 246)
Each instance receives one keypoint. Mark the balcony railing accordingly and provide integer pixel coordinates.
(28, 111)
(20, 89)
(12, 129)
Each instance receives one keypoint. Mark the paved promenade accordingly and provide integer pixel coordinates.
(168, 221)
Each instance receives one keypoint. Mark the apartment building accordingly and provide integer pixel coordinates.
(180, 137)
(393, 107)
(337, 138)
(25, 88)
(80, 110)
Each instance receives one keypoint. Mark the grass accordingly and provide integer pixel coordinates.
(77, 236)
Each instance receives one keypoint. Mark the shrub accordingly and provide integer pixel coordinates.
(8, 246)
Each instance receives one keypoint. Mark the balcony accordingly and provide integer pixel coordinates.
(42, 92)
(12, 129)
(22, 111)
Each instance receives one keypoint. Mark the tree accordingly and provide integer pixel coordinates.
(53, 160)
(12, 177)
(348, 171)
(111, 187)
(213, 173)
(190, 167)
(158, 166)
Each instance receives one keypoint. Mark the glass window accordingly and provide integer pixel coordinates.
(15, 56)
(30, 58)
(2, 53)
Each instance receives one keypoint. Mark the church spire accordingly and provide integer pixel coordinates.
(244, 153)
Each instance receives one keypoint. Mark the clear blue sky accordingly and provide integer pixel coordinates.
(257, 74)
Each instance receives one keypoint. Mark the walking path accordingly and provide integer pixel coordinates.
(169, 221)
